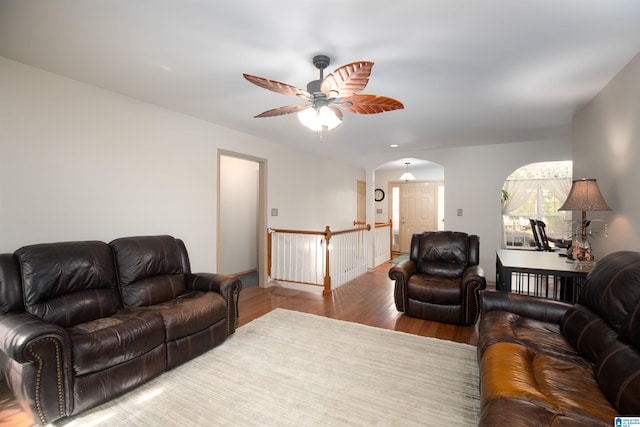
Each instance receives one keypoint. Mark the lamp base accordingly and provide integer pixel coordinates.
(581, 253)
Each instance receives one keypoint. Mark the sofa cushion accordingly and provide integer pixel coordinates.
(69, 283)
(151, 269)
(612, 288)
(153, 290)
(191, 312)
(110, 341)
(518, 412)
(542, 337)
(436, 290)
(563, 389)
(587, 332)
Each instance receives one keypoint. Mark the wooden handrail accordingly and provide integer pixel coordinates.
(327, 233)
(281, 230)
(350, 230)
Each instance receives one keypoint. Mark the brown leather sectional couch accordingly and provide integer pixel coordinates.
(548, 363)
(83, 322)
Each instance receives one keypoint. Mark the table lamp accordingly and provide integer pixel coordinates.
(584, 196)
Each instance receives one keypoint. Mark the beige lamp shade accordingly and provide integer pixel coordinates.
(585, 196)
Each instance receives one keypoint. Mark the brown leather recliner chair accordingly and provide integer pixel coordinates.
(441, 279)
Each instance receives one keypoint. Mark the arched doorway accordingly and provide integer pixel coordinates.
(412, 206)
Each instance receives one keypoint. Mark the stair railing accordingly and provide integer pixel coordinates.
(326, 259)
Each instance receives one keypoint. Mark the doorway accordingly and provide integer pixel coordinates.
(415, 207)
(241, 227)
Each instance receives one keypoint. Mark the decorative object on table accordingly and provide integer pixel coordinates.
(584, 196)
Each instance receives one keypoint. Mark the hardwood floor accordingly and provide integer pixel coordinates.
(368, 300)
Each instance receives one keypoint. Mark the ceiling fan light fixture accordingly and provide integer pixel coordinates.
(319, 119)
(326, 98)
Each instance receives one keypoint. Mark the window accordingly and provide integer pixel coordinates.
(536, 191)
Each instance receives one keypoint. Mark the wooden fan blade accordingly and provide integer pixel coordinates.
(277, 87)
(281, 111)
(369, 104)
(347, 80)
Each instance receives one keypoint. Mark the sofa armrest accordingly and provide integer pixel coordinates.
(473, 281)
(402, 271)
(544, 310)
(18, 331)
(474, 273)
(227, 286)
(38, 365)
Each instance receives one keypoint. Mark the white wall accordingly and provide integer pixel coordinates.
(606, 146)
(78, 162)
(473, 179)
(311, 193)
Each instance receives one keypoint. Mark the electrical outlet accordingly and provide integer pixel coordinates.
(459, 212)
(274, 211)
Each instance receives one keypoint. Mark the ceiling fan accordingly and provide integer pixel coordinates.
(326, 98)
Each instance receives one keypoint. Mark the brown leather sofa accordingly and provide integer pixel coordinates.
(441, 279)
(83, 322)
(545, 362)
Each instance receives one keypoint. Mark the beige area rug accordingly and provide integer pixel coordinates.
(295, 369)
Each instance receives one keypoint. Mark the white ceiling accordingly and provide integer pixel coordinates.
(469, 72)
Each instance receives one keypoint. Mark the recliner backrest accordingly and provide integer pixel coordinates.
(612, 290)
(10, 284)
(605, 327)
(444, 253)
(151, 269)
(69, 283)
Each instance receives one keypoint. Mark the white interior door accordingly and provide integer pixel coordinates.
(418, 210)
